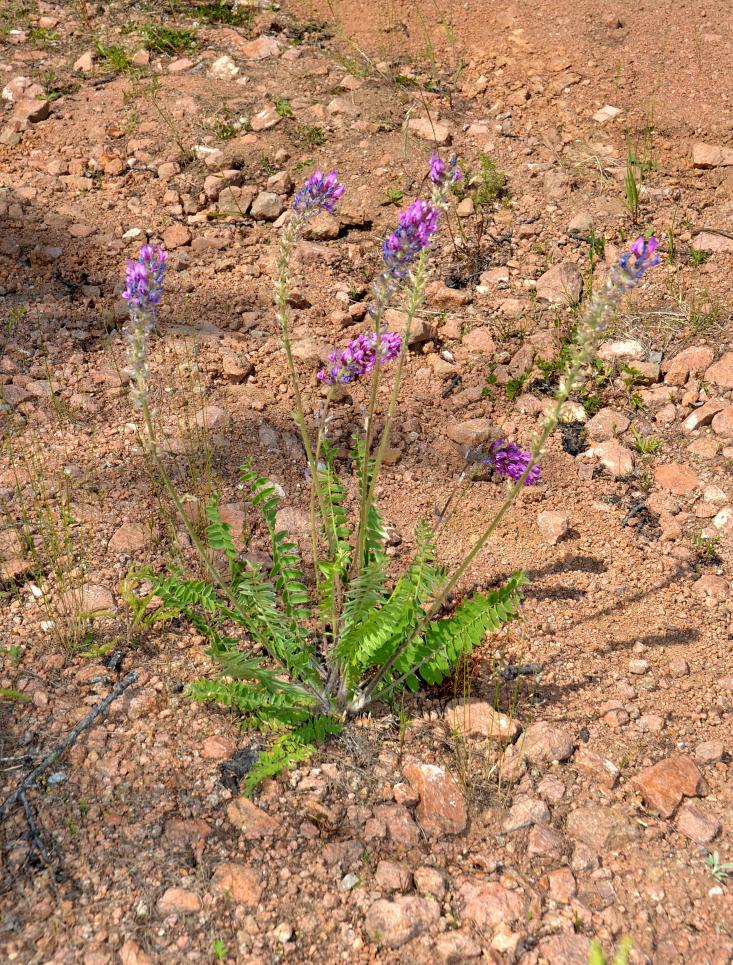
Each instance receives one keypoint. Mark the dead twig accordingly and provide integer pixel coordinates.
(53, 756)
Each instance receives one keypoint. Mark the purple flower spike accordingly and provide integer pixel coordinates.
(640, 258)
(510, 460)
(417, 225)
(319, 193)
(144, 280)
(359, 357)
(442, 173)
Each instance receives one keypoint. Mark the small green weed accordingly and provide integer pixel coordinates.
(168, 40)
(224, 129)
(393, 196)
(515, 387)
(282, 107)
(596, 956)
(485, 185)
(704, 315)
(42, 38)
(698, 257)
(13, 696)
(707, 550)
(647, 445)
(114, 58)
(220, 11)
(632, 185)
(219, 950)
(719, 870)
(311, 135)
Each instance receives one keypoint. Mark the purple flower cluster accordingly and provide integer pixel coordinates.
(359, 357)
(416, 226)
(510, 460)
(442, 173)
(319, 193)
(640, 258)
(144, 280)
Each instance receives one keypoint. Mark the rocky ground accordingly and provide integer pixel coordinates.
(584, 789)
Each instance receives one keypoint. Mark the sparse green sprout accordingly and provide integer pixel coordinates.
(707, 549)
(13, 696)
(168, 40)
(647, 445)
(114, 58)
(219, 950)
(704, 315)
(394, 195)
(632, 185)
(488, 183)
(596, 956)
(42, 37)
(312, 136)
(282, 107)
(515, 387)
(224, 129)
(698, 257)
(719, 870)
(221, 11)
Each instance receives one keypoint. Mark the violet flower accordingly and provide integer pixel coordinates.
(319, 193)
(640, 258)
(360, 357)
(143, 292)
(442, 174)
(417, 224)
(144, 280)
(510, 460)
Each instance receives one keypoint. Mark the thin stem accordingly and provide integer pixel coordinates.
(586, 341)
(357, 562)
(201, 549)
(417, 294)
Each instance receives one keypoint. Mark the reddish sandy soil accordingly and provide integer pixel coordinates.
(621, 660)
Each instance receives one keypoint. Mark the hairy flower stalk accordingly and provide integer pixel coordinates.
(319, 193)
(622, 278)
(405, 256)
(143, 292)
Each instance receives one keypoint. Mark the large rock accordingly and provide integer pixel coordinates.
(606, 424)
(697, 824)
(488, 903)
(617, 459)
(238, 882)
(676, 478)
(544, 743)
(396, 922)
(711, 155)
(553, 526)
(442, 808)
(477, 718)
(723, 422)
(252, 821)
(567, 948)
(600, 828)
(663, 785)
(472, 432)
(267, 206)
(179, 901)
(429, 130)
(721, 373)
(712, 242)
(562, 284)
(704, 415)
(688, 362)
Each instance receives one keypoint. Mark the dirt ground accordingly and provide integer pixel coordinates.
(611, 807)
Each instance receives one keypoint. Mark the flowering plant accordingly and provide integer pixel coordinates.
(352, 634)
